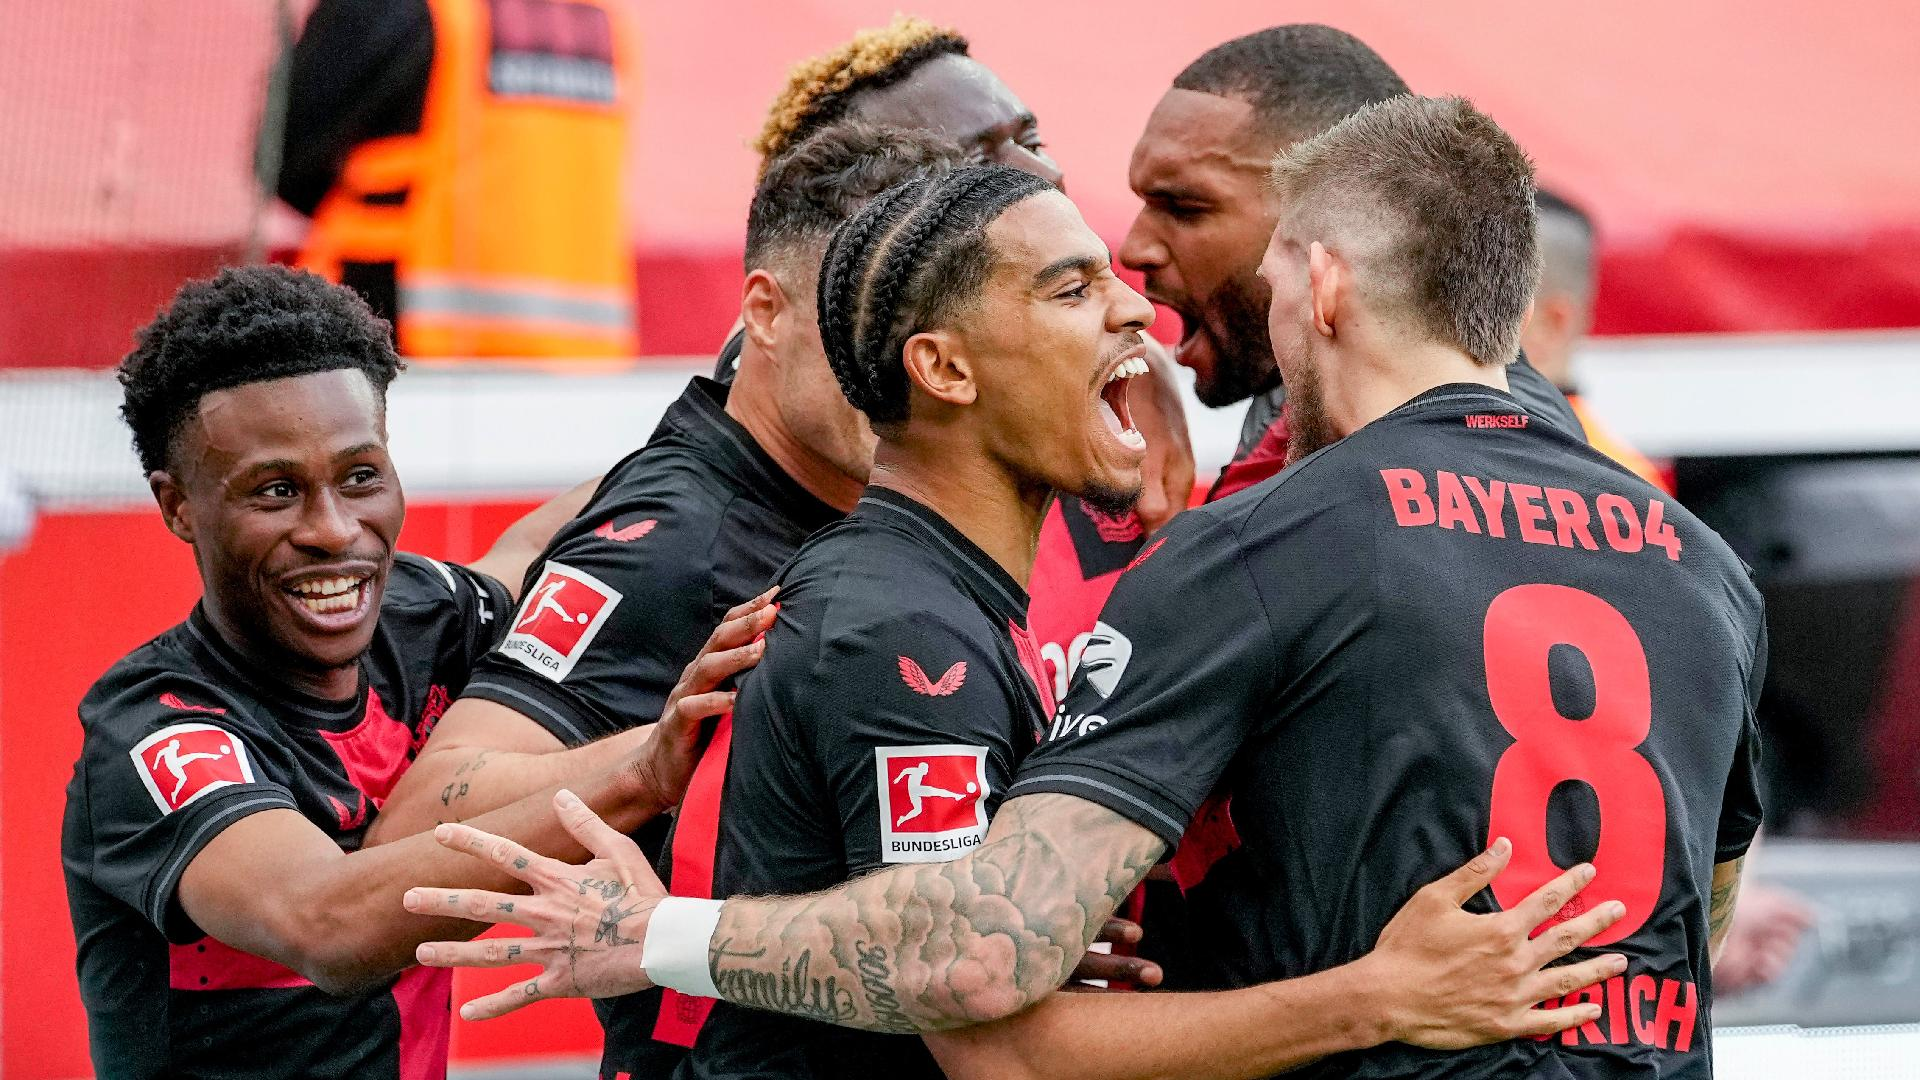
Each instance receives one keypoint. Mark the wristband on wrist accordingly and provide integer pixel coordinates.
(675, 950)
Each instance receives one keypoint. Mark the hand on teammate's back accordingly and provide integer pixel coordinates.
(665, 763)
(1099, 969)
(1167, 476)
(1454, 979)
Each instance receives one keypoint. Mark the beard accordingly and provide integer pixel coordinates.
(1236, 326)
(1308, 428)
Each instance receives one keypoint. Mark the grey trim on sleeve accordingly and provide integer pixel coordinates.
(1173, 826)
(168, 878)
(535, 703)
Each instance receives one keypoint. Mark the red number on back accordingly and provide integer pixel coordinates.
(1523, 625)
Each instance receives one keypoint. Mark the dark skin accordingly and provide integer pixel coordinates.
(964, 99)
(288, 481)
(280, 484)
(1200, 170)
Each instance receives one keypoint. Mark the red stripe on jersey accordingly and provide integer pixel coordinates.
(1035, 666)
(1267, 457)
(424, 997)
(695, 839)
(209, 964)
(375, 752)
(1210, 838)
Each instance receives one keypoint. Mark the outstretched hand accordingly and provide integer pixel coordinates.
(588, 921)
(664, 765)
(1453, 979)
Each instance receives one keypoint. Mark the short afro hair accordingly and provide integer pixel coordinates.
(908, 261)
(821, 89)
(808, 191)
(245, 325)
(1301, 79)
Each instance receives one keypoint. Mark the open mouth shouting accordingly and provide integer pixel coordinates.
(1112, 405)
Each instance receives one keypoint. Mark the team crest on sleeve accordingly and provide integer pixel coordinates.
(179, 764)
(558, 620)
(933, 801)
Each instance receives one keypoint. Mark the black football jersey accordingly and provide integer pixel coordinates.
(182, 739)
(899, 690)
(695, 522)
(1456, 624)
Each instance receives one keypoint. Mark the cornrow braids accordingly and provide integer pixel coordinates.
(905, 264)
(821, 89)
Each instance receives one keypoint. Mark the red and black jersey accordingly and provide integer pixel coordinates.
(899, 690)
(1455, 624)
(693, 523)
(182, 739)
(1081, 553)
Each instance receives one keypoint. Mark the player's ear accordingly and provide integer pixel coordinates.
(762, 303)
(175, 509)
(1326, 277)
(938, 365)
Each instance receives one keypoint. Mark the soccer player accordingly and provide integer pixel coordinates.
(976, 320)
(1200, 169)
(1562, 314)
(229, 919)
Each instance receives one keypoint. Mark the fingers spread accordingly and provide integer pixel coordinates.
(477, 905)
(1552, 1021)
(1558, 982)
(1560, 940)
(1462, 885)
(594, 834)
(1545, 901)
(518, 995)
(485, 953)
(498, 850)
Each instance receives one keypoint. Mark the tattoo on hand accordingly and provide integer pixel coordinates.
(506, 906)
(608, 890)
(520, 864)
(513, 951)
(608, 932)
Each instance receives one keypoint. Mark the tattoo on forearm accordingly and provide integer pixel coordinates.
(875, 980)
(1022, 908)
(461, 785)
(792, 989)
(1720, 903)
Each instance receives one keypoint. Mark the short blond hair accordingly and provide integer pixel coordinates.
(820, 89)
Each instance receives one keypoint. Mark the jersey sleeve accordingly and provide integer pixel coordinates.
(167, 764)
(1740, 806)
(913, 730)
(608, 621)
(469, 608)
(1167, 685)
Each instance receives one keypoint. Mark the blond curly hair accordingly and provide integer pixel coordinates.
(820, 89)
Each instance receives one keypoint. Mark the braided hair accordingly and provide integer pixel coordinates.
(820, 90)
(904, 264)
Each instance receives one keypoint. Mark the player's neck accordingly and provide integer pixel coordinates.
(1376, 383)
(751, 402)
(987, 505)
(325, 683)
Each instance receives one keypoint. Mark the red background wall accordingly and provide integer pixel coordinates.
(56, 637)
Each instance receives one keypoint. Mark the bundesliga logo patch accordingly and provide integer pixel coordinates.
(558, 619)
(932, 801)
(181, 763)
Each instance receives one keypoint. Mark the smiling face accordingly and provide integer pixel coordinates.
(1200, 171)
(963, 99)
(286, 492)
(1052, 340)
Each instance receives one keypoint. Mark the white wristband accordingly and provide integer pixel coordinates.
(675, 951)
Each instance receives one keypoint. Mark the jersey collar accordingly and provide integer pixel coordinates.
(989, 581)
(700, 414)
(227, 665)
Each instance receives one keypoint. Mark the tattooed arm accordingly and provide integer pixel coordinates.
(484, 755)
(1726, 890)
(925, 947)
